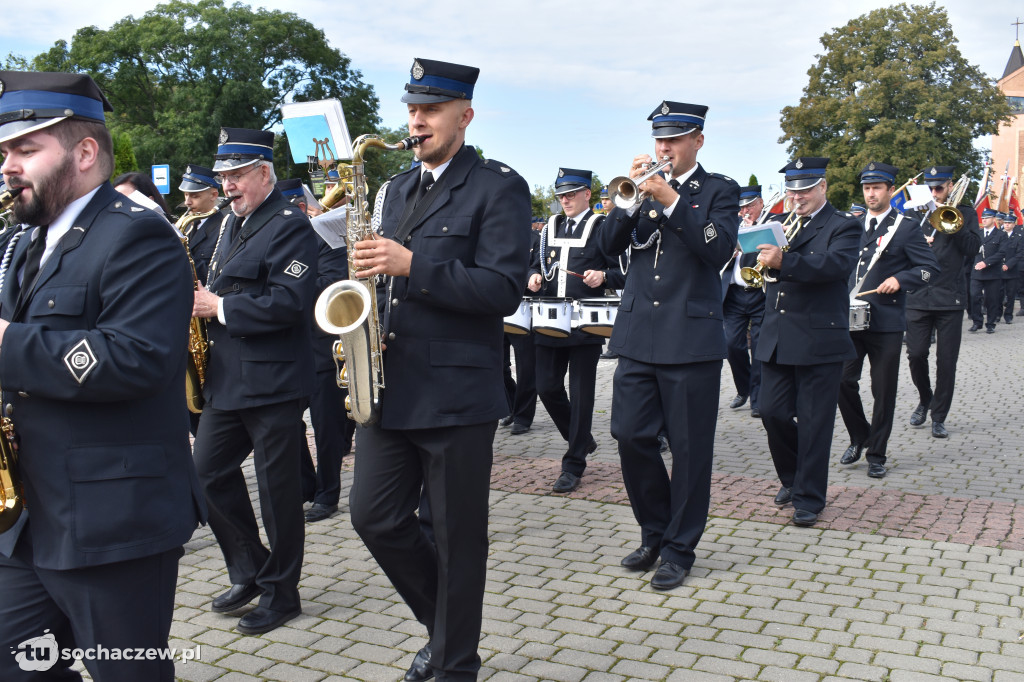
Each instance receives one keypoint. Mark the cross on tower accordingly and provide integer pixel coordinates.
(1018, 25)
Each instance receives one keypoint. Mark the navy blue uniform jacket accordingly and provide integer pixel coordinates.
(267, 277)
(907, 257)
(955, 253)
(992, 251)
(672, 314)
(93, 367)
(443, 323)
(807, 311)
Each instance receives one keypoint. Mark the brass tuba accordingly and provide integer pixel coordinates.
(198, 341)
(349, 308)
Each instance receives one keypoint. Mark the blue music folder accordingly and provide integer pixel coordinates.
(765, 233)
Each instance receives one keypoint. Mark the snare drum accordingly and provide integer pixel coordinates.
(860, 315)
(518, 323)
(552, 316)
(597, 315)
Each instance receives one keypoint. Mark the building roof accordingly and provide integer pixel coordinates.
(1015, 62)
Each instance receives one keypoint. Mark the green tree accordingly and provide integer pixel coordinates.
(185, 69)
(892, 86)
(752, 181)
(124, 157)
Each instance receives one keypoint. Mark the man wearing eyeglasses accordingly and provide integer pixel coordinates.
(572, 266)
(259, 300)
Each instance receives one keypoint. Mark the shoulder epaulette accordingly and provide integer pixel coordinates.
(499, 168)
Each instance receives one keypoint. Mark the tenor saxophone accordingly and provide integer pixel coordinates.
(349, 308)
(198, 341)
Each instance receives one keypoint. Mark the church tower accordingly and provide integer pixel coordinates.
(1008, 144)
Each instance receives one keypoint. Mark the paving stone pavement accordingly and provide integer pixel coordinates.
(914, 577)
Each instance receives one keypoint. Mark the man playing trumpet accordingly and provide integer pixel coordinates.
(669, 338)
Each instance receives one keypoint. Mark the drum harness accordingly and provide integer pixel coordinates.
(564, 244)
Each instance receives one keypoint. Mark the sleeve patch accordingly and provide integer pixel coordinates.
(710, 233)
(296, 269)
(81, 360)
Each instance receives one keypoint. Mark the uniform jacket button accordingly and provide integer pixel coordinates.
(656, 304)
(394, 301)
(211, 343)
(657, 278)
(8, 409)
(23, 394)
(391, 336)
(444, 229)
(50, 303)
(424, 292)
(782, 312)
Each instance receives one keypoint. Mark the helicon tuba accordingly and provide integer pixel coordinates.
(198, 341)
(349, 308)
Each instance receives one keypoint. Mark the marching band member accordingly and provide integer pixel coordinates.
(743, 308)
(938, 307)
(987, 275)
(669, 338)
(569, 243)
(1011, 266)
(456, 250)
(201, 195)
(95, 310)
(894, 259)
(259, 300)
(805, 337)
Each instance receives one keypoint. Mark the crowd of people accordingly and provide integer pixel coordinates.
(99, 309)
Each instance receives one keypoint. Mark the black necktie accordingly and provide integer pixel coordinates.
(872, 224)
(426, 180)
(33, 258)
(674, 184)
(568, 227)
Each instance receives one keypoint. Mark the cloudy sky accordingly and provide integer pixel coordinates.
(572, 84)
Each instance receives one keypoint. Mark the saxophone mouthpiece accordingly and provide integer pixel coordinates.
(7, 197)
(413, 141)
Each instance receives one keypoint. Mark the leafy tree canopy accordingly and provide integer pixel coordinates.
(892, 86)
(183, 70)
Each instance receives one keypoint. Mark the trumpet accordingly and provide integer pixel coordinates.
(947, 218)
(625, 192)
(755, 276)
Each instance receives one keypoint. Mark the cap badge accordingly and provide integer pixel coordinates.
(561, 173)
(223, 139)
(872, 166)
(2, 87)
(417, 70)
(188, 170)
(664, 109)
(933, 171)
(799, 164)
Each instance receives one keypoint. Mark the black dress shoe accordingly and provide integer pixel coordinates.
(592, 447)
(851, 455)
(668, 575)
(566, 483)
(1009, 320)
(990, 330)
(974, 328)
(608, 355)
(319, 512)
(918, 415)
(262, 619)
(802, 517)
(755, 412)
(876, 471)
(663, 445)
(1020, 313)
(519, 429)
(235, 598)
(939, 430)
(505, 421)
(640, 559)
(783, 497)
(738, 401)
(420, 669)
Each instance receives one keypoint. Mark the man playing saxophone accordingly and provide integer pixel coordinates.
(456, 250)
(95, 308)
(259, 378)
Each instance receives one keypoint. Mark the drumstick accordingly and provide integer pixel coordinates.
(865, 293)
(574, 274)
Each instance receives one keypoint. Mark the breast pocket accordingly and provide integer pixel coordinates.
(59, 300)
(241, 268)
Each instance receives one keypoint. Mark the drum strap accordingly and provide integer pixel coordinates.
(878, 254)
